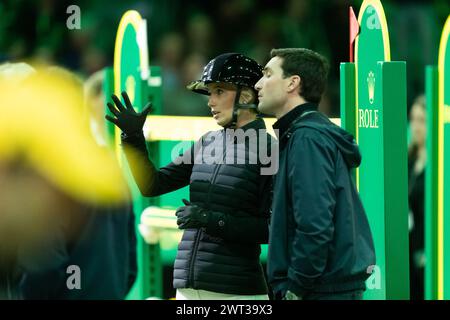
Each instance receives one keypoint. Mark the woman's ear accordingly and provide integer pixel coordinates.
(247, 96)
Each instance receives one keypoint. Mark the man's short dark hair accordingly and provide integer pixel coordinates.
(311, 67)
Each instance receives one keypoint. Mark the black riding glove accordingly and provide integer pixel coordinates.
(191, 216)
(127, 119)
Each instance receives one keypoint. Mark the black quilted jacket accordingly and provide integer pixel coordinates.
(223, 257)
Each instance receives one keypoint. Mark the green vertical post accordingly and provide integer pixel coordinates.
(381, 135)
(348, 100)
(130, 71)
(348, 97)
(394, 118)
(139, 289)
(443, 164)
(153, 94)
(154, 90)
(431, 182)
(155, 271)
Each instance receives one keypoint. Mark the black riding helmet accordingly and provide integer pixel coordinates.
(234, 68)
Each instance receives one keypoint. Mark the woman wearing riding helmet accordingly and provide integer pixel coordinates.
(227, 217)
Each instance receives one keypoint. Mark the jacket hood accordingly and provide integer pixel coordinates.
(344, 140)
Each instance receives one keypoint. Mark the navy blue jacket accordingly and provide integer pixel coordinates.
(320, 240)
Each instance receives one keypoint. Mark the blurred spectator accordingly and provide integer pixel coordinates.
(299, 27)
(233, 19)
(14, 183)
(414, 37)
(183, 102)
(262, 39)
(55, 183)
(416, 190)
(200, 35)
(170, 54)
(94, 97)
(104, 247)
(335, 17)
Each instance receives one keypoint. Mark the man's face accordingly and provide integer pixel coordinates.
(221, 102)
(272, 87)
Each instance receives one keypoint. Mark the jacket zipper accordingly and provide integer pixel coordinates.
(194, 253)
(215, 173)
(200, 231)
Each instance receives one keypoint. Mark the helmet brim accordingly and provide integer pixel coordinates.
(198, 87)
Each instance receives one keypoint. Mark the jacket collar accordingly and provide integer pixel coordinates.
(285, 122)
(256, 124)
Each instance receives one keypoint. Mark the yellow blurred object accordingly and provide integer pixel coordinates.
(42, 124)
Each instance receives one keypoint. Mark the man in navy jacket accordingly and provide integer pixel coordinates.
(320, 244)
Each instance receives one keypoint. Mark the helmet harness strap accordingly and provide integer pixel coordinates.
(237, 106)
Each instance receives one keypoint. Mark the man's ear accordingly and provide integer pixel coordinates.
(294, 83)
(247, 96)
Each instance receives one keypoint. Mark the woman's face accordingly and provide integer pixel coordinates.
(221, 102)
(417, 122)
